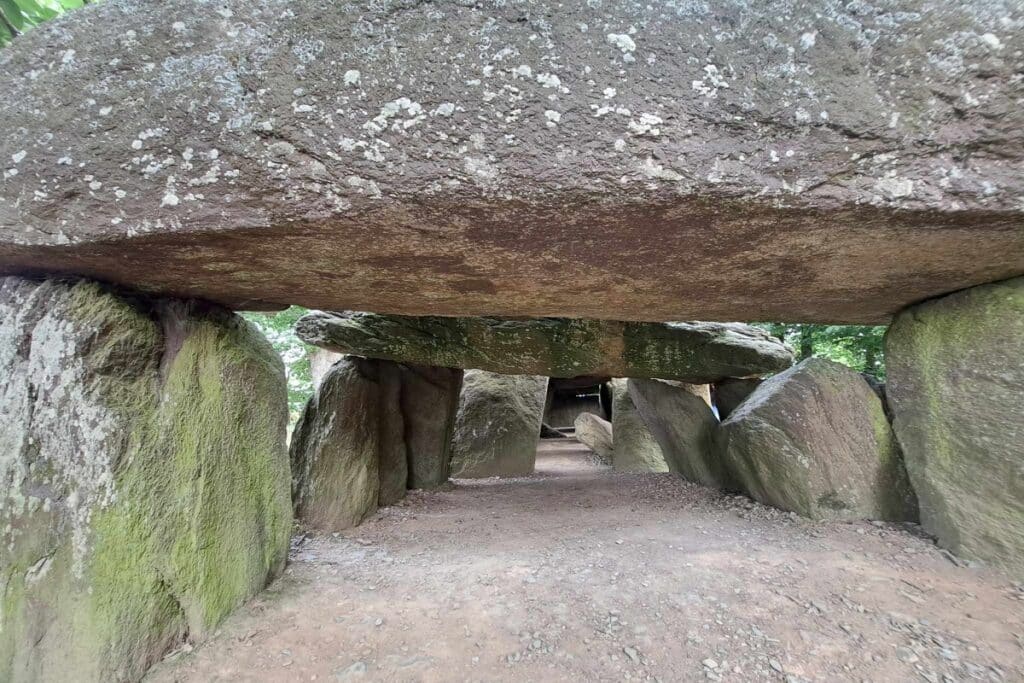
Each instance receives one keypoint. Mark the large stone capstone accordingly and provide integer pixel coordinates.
(498, 425)
(815, 440)
(805, 161)
(956, 389)
(143, 477)
(696, 352)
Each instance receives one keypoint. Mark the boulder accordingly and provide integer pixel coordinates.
(320, 361)
(809, 160)
(955, 370)
(634, 447)
(143, 477)
(555, 347)
(729, 393)
(371, 430)
(680, 418)
(815, 440)
(498, 425)
(596, 434)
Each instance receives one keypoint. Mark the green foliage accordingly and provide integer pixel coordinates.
(17, 16)
(857, 346)
(279, 328)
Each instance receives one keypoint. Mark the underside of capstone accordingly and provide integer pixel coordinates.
(632, 161)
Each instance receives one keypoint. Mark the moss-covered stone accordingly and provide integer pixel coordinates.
(815, 440)
(144, 473)
(956, 389)
(634, 448)
(498, 425)
(554, 347)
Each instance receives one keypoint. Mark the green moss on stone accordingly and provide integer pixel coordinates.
(200, 514)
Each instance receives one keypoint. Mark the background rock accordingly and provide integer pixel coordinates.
(680, 418)
(955, 386)
(729, 393)
(813, 161)
(695, 352)
(143, 473)
(634, 447)
(320, 361)
(815, 440)
(596, 434)
(498, 424)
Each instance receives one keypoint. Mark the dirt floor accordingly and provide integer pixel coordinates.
(581, 574)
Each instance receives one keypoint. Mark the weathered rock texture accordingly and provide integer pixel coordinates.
(813, 161)
(371, 430)
(337, 445)
(729, 393)
(634, 447)
(696, 352)
(143, 477)
(498, 425)
(320, 361)
(596, 434)
(815, 440)
(681, 421)
(956, 388)
(430, 402)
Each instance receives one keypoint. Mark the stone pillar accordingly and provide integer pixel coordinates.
(680, 418)
(143, 476)
(372, 429)
(430, 402)
(498, 425)
(634, 448)
(955, 368)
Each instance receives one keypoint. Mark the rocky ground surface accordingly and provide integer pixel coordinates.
(578, 573)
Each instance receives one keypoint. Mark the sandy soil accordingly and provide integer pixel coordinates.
(581, 574)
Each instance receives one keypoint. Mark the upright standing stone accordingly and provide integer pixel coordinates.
(815, 440)
(371, 430)
(680, 418)
(430, 402)
(596, 434)
(955, 370)
(634, 448)
(143, 477)
(498, 425)
(336, 447)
